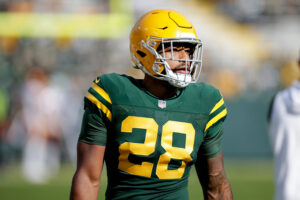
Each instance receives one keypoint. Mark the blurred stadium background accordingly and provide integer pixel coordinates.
(50, 50)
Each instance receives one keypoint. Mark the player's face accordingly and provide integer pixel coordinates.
(180, 51)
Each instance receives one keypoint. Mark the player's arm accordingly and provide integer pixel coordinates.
(92, 142)
(86, 181)
(212, 177)
(209, 164)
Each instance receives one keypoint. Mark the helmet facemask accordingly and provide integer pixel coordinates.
(160, 66)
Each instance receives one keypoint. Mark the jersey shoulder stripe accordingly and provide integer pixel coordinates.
(101, 92)
(100, 98)
(218, 112)
(218, 105)
(99, 105)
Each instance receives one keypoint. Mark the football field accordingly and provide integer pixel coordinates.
(250, 179)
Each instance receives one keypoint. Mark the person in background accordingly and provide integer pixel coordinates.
(284, 130)
(41, 117)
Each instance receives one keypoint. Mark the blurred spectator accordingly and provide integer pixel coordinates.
(46, 125)
(285, 139)
(41, 106)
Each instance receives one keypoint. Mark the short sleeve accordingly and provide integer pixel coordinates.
(97, 115)
(211, 145)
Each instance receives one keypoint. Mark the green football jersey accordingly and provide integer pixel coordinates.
(151, 144)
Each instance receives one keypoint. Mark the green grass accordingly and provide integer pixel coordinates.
(249, 180)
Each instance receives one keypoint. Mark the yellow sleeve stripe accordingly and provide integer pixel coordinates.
(215, 119)
(218, 105)
(101, 92)
(100, 105)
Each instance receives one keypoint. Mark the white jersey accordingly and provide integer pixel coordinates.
(285, 140)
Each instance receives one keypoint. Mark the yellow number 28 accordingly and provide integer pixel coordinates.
(148, 147)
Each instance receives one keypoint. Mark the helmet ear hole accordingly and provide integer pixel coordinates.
(142, 54)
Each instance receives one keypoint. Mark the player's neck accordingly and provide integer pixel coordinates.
(160, 89)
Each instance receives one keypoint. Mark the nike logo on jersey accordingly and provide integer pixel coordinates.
(97, 80)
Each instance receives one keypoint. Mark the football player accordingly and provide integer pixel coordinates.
(151, 131)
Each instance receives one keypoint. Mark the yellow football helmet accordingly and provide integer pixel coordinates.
(159, 29)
